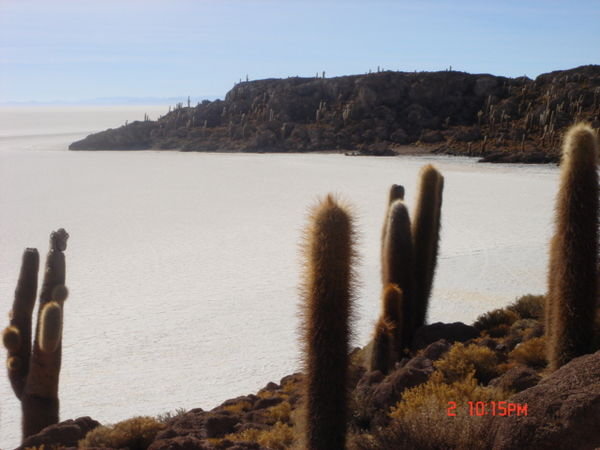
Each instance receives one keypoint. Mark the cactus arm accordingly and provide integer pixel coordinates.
(392, 306)
(397, 265)
(382, 357)
(20, 322)
(425, 232)
(396, 193)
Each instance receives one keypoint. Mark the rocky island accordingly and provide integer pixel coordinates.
(500, 119)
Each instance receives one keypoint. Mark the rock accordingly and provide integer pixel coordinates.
(451, 332)
(431, 137)
(389, 391)
(66, 433)
(436, 350)
(399, 136)
(563, 411)
(516, 379)
(218, 425)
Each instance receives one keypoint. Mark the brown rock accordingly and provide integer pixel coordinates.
(517, 379)
(66, 433)
(451, 332)
(389, 391)
(563, 411)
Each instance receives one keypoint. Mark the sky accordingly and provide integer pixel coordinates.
(79, 50)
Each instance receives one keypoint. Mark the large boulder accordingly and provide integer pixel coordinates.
(516, 379)
(451, 332)
(563, 411)
(65, 434)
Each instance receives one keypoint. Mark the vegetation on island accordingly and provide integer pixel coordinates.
(492, 117)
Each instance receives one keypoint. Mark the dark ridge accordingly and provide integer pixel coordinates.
(500, 119)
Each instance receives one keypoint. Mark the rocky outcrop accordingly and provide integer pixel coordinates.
(451, 332)
(563, 411)
(65, 434)
(501, 119)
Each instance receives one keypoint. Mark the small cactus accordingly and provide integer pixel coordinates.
(573, 284)
(392, 308)
(328, 298)
(34, 370)
(382, 356)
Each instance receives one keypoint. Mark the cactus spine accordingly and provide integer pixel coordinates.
(572, 286)
(34, 370)
(426, 234)
(328, 296)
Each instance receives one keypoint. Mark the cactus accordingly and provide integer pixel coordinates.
(328, 297)
(382, 356)
(34, 370)
(392, 307)
(426, 233)
(397, 264)
(396, 193)
(572, 284)
(409, 254)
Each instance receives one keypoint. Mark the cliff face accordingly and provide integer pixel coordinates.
(454, 112)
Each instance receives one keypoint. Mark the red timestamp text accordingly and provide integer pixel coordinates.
(501, 408)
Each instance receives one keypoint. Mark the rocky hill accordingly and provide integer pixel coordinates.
(499, 118)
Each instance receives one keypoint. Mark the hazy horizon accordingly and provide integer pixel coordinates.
(52, 52)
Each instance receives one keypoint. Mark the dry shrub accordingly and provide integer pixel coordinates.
(496, 323)
(421, 420)
(135, 434)
(279, 413)
(461, 360)
(278, 437)
(170, 415)
(528, 307)
(532, 353)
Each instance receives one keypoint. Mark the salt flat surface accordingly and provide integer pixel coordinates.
(183, 267)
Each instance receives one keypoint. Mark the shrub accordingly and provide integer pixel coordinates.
(496, 323)
(528, 307)
(421, 419)
(279, 437)
(461, 360)
(135, 434)
(532, 353)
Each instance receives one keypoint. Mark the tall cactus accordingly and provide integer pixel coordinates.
(426, 234)
(398, 266)
(409, 253)
(34, 370)
(573, 284)
(328, 297)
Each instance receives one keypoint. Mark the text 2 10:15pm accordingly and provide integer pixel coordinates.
(491, 409)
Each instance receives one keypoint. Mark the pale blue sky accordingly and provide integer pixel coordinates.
(71, 50)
